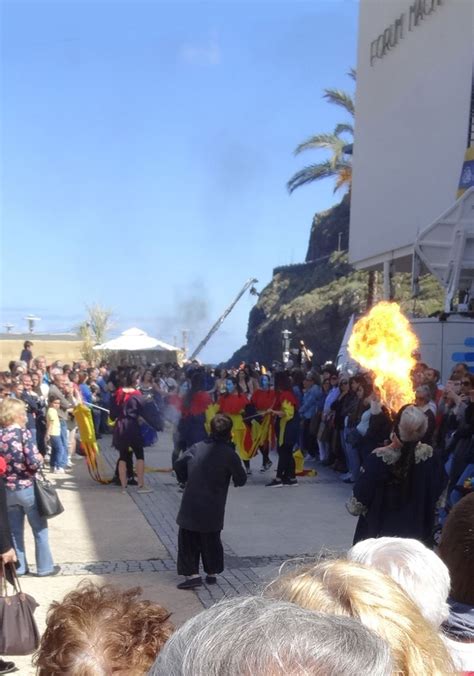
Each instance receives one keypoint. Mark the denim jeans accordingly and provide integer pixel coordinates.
(21, 503)
(352, 456)
(64, 433)
(58, 452)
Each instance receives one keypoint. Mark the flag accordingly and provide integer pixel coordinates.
(95, 463)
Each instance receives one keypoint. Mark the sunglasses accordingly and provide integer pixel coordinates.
(467, 383)
(344, 382)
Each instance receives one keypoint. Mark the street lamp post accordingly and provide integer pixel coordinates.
(286, 340)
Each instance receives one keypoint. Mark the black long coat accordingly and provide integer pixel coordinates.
(385, 509)
(207, 468)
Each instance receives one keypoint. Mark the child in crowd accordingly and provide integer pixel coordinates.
(58, 458)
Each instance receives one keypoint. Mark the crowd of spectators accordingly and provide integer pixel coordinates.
(339, 415)
(392, 605)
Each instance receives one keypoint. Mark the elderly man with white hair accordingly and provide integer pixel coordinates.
(399, 484)
(417, 569)
(254, 636)
(425, 578)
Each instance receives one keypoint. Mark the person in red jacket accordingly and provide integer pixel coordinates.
(287, 429)
(234, 404)
(264, 401)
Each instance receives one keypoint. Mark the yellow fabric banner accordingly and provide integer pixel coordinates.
(95, 462)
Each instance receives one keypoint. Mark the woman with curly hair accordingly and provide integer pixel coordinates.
(399, 484)
(99, 630)
(340, 587)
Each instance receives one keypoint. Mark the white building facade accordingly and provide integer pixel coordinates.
(413, 115)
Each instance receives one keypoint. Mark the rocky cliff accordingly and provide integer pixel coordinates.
(315, 299)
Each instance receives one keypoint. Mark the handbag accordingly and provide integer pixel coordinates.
(46, 496)
(19, 634)
(149, 435)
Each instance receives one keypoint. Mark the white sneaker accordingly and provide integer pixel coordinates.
(58, 470)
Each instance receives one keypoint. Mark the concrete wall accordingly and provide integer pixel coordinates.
(412, 113)
(65, 350)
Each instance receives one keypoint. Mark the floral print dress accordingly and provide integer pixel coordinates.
(21, 456)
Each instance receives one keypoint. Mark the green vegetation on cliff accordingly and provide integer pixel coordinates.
(315, 300)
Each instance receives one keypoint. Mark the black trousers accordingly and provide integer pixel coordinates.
(309, 440)
(193, 545)
(129, 462)
(286, 462)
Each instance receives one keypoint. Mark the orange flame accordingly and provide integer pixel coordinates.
(383, 342)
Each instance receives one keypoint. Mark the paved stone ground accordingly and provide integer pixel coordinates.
(160, 509)
(104, 536)
(264, 526)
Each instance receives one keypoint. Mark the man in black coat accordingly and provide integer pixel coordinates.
(206, 468)
(7, 553)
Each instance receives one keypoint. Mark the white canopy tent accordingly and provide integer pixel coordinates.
(138, 342)
(133, 340)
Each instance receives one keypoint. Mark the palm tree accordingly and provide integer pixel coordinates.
(339, 163)
(93, 331)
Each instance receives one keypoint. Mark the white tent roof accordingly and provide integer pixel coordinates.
(134, 340)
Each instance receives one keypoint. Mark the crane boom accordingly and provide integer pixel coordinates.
(226, 312)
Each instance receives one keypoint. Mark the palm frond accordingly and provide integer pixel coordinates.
(311, 173)
(328, 141)
(344, 178)
(352, 74)
(340, 98)
(344, 129)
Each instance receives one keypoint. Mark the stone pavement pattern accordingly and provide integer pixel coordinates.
(264, 527)
(132, 540)
(102, 536)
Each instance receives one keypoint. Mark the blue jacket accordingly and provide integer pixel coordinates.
(313, 400)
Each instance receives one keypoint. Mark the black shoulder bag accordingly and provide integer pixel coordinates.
(46, 496)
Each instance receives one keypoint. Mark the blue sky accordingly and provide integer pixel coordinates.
(145, 151)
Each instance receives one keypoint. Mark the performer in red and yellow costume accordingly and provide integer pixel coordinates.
(287, 429)
(233, 403)
(264, 400)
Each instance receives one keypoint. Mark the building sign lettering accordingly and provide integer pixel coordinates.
(407, 21)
